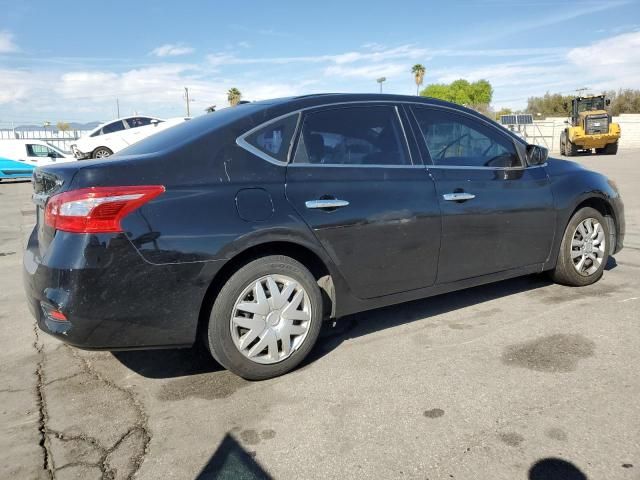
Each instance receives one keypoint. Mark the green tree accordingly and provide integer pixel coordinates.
(234, 96)
(550, 105)
(624, 101)
(503, 111)
(418, 71)
(476, 95)
(63, 126)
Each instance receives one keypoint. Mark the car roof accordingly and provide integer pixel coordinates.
(119, 119)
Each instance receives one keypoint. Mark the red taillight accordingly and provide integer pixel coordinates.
(96, 209)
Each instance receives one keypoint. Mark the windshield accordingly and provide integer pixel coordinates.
(586, 104)
(57, 149)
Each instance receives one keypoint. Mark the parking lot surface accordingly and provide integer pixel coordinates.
(511, 380)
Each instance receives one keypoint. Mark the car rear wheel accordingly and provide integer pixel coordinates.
(584, 250)
(266, 318)
(102, 152)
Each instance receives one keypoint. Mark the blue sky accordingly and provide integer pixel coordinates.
(70, 60)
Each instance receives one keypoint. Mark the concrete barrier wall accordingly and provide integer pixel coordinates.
(547, 132)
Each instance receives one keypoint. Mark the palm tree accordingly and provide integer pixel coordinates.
(418, 71)
(234, 96)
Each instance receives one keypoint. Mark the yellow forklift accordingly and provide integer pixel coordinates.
(590, 127)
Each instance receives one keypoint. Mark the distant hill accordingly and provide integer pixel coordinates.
(72, 125)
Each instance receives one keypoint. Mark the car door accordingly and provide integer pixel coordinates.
(113, 136)
(38, 154)
(369, 201)
(497, 213)
(138, 128)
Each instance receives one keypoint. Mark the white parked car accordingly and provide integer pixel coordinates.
(113, 136)
(33, 152)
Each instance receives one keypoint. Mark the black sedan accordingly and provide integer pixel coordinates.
(249, 226)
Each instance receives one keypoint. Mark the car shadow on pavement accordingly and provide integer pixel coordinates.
(353, 326)
(9, 181)
(169, 363)
(231, 462)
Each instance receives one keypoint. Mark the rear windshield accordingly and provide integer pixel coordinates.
(191, 130)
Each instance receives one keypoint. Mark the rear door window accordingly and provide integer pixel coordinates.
(360, 135)
(36, 150)
(113, 127)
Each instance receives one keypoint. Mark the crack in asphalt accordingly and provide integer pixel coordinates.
(103, 463)
(41, 405)
(140, 426)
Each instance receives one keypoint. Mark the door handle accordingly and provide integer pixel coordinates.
(458, 197)
(326, 203)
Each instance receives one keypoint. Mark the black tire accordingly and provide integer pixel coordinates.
(101, 152)
(601, 151)
(570, 149)
(565, 273)
(562, 142)
(611, 149)
(219, 339)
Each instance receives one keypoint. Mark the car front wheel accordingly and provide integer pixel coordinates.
(266, 318)
(584, 250)
(102, 152)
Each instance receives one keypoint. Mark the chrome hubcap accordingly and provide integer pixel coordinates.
(271, 319)
(102, 154)
(588, 247)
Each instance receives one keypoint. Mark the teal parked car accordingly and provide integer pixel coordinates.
(14, 169)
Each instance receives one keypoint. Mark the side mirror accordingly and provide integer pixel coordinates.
(607, 102)
(154, 122)
(537, 155)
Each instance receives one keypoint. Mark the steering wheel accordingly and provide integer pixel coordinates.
(488, 148)
(450, 144)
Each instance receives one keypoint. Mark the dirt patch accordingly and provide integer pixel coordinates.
(552, 353)
(209, 386)
(556, 434)
(512, 439)
(434, 413)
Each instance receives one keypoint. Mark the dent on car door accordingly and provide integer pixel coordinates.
(354, 182)
(497, 213)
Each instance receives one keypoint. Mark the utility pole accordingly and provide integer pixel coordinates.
(118, 107)
(380, 80)
(186, 97)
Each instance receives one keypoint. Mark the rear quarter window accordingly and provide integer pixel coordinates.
(274, 138)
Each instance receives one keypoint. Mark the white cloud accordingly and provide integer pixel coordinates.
(369, 72)
(404, 51)
(7, 44)
(619, 50)
(613, 62)
(172, 50)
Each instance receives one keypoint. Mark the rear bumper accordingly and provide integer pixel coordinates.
(111, 297)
